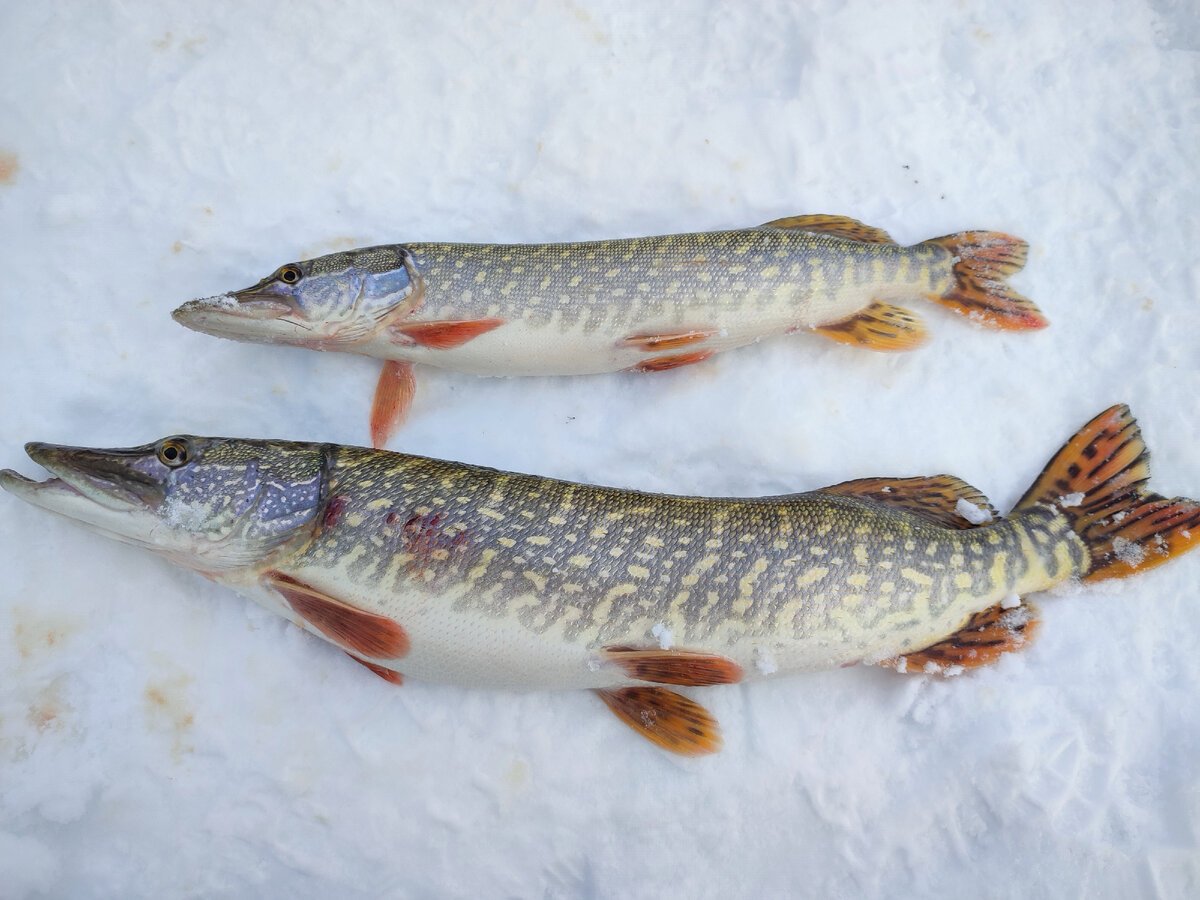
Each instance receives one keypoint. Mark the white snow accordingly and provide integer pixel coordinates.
(1070, 500)
(664, 636)
(159, 736)
(764, 661)
(1012, 601)
(974, 514)
(1128, 552)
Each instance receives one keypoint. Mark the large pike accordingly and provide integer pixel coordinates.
(640, 304)
(461, 574)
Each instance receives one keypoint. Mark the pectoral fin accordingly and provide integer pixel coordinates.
(445, 335)
(356, 631)
(668, 719)
(687, 667)
(385, 673)
(881, 326)
(394, 394)
(984, 639)
(668, 340)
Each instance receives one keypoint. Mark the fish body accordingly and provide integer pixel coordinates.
(637, 304)
(461, 574)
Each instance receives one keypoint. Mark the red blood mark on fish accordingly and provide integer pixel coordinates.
(674, 361)
(445, 335)
(424, 537)
(668, 340)
(333, 511)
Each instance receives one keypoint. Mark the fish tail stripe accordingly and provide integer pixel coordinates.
(1126, 528)
(982, 261)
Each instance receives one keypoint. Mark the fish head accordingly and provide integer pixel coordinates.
(333, 302)
(215, 505)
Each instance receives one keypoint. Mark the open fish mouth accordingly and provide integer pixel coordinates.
(82, 477)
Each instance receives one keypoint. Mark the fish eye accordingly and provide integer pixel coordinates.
(289, 274)
(173, 452)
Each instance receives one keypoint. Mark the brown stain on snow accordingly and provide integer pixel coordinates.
(9, 164)
(35, 634)
(169, 712)
(49, 710)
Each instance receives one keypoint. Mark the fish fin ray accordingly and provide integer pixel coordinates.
(684, 667)
(389, 675)
(356, 631)
(665, 718)
(985, 637)
(668, 340)
(671, 361)
(934, 497)
(881, 326)
(445, 335)
(982, 261)
(1097, 479)
(835, 226)
(393, 399)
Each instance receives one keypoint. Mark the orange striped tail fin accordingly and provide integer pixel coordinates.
(982, 262)
(1098, 480)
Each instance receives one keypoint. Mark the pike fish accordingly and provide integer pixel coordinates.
(640, 304)
(462, 574)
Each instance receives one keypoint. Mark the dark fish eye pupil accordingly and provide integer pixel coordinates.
(170, 452)
(290, 275)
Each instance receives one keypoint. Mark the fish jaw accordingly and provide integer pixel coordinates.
(252, 317)
(89, 489)
(214, 505)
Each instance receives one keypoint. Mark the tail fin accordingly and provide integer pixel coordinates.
(982, 260)
(1097, 479)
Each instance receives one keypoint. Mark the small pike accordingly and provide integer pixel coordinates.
(638, 304)
(461, 574)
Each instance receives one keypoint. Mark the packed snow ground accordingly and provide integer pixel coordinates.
(161, 737)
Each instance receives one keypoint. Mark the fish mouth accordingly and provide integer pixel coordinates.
(239, 315)
(84, 478)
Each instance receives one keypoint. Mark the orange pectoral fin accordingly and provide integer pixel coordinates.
(668, 340)
(393, 399)
(386, 674)
(984, 639)
(686, 667)
(445, 335)
(881, 326)
(354, 630)
(673, 361)
(670, 720)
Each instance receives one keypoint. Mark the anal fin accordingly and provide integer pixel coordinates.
(356, 631)
(666, 718)
(393, 399)
(985, 637)
(686, 667)
(881, 326)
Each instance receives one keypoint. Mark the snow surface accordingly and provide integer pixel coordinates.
(161, 737)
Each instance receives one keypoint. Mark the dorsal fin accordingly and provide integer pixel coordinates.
(835, 226)
(942, 499)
